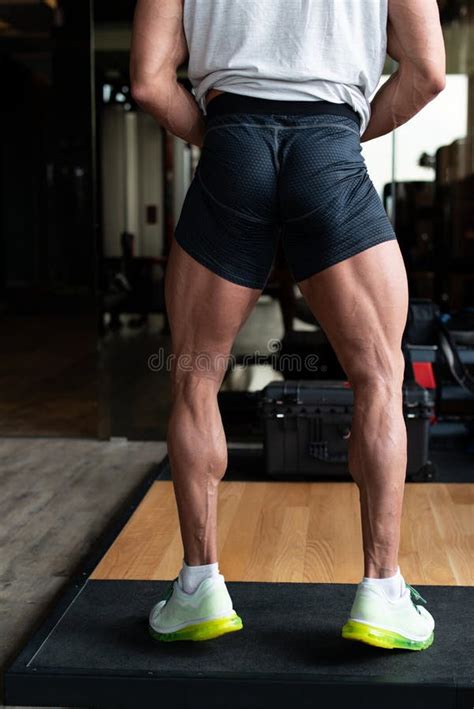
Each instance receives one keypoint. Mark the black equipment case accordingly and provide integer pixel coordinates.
(307, 425)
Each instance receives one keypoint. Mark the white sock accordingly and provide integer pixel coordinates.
(393, 586)
(190, 577)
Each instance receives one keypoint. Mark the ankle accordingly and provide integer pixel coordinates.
(380, 572)
(199, 559)
(392, 586)
(191, 577)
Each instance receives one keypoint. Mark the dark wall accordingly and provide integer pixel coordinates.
(48, 294)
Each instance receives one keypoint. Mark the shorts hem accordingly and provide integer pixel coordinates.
(217, 269)
(348, 254)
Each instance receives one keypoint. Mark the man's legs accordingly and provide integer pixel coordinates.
(205, 314)
(362, 304)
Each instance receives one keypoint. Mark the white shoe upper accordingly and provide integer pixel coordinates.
(373, 607)
(211, 600)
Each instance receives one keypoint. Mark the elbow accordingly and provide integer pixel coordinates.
(141, 91)
(436, 84)
(152, 93)
(428, 81)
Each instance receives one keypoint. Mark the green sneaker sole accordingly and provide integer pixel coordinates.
(354, 630)
(201, 631)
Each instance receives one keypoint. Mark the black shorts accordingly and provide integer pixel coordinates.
(273, 169)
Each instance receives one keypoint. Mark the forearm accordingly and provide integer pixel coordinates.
(173, 107)
(415, 41)
(400, 98)
(158, 49)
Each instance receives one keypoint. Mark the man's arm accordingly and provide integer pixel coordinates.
(415, 41)
(158, 49)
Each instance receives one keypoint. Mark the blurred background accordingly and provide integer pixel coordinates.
(91, 189)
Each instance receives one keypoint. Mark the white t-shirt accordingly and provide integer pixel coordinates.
(300, 50)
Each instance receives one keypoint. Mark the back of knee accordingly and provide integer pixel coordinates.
(382, 371)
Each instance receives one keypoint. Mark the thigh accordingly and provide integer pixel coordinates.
(361, 304)
(205, 314)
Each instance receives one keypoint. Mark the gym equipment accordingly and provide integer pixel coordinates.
(440, 346)
(307, 354)
(307, 429)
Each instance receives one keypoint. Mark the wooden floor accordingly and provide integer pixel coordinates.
(301, 532)
(58, 496)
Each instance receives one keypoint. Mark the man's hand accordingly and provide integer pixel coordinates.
(158, 48)
(415, 41)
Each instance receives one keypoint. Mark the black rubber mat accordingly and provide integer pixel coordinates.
(99, 653)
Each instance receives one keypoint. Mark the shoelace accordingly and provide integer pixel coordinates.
(170, 590)
(414, 595)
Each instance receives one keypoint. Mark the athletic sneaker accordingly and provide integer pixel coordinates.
(202, 615)
(376, 620)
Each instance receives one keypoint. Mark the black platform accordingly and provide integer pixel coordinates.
(99, 654)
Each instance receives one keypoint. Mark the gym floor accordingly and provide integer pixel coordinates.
(48, 486)
(292, 546)
(301, 532)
